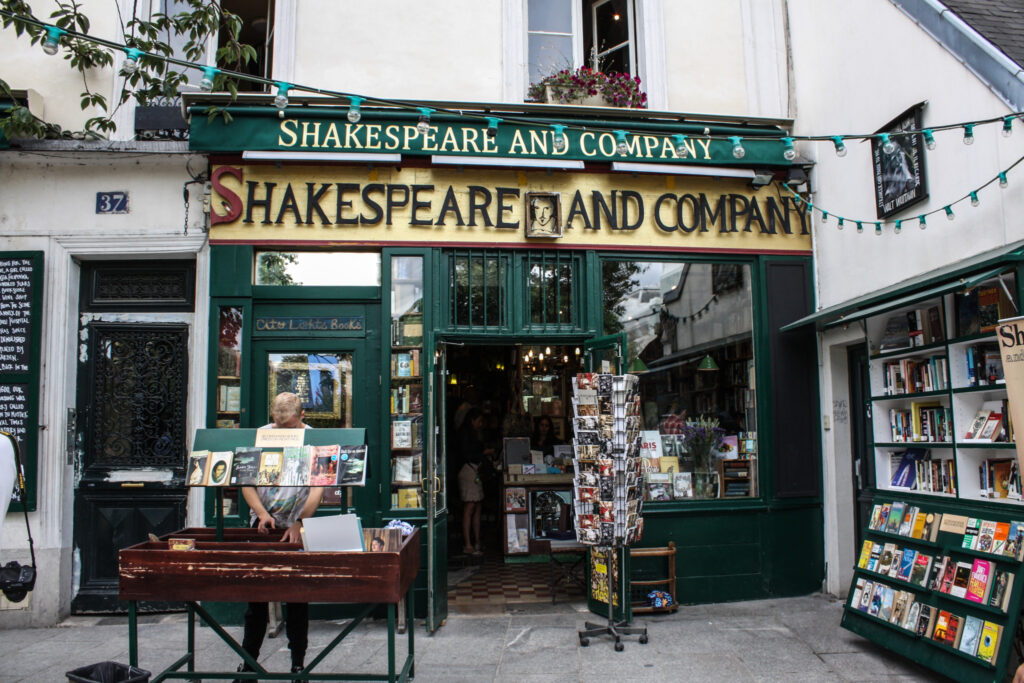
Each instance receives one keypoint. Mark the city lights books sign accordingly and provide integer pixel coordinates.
(899, 175)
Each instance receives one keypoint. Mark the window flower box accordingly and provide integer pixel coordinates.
(586, 86)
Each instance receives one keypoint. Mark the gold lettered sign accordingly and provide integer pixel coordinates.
(301, 204)
(1011, 347)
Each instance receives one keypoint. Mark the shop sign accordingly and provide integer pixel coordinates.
(264, 204)
(305, 132)
(899, 177)
(309, 324)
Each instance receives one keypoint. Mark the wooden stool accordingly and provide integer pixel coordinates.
(668, 583)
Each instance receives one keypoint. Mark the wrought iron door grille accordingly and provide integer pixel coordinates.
(139, 286)
(138, 396)
(479, 281)
(552, 298)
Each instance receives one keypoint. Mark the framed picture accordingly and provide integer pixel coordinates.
(899, 176)
(543, 214)
(323, 382)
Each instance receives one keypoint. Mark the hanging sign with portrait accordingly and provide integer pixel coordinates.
(899, 175)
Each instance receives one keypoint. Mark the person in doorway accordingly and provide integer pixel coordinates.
(281, 507)
(543, 438)
(470, 400)
(471, 489)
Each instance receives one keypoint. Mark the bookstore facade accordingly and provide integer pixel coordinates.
(405, 288)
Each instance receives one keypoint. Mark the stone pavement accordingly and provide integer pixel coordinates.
(791, 640)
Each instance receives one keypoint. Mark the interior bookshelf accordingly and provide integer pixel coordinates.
(940, 420)
(940, 585)
(406, 402)
(228, 387)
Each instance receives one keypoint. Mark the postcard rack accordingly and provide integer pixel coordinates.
(607, 497)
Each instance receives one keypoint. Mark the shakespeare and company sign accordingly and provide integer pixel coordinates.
(297, 204)
(1011, 347)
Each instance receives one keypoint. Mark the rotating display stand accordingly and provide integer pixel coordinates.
(606, 490)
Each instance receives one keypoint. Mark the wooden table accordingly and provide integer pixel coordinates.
(245, 567)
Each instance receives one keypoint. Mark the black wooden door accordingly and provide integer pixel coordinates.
(862, 459)
(131, 448)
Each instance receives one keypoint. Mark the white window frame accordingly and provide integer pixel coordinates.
(647, 33)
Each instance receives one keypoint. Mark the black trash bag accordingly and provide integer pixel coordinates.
(108, 672)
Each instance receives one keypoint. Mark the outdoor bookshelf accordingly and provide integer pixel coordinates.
(922, 648)
(406, 405)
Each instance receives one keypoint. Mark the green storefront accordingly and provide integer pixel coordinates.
(390, 275)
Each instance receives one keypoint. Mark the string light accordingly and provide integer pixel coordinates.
(131, 62)
(681, 149)
(922, 222)
(423, 125)
(860, 227)
(837, 140)
(209, 73)
(354, 115)
(974, 199)
(824, 216)
(492, 126)
(788, 153)
(929, 139)
(888, 146)
(898, 227)
(51, 43)
(878, 228)
(622, 147)
(1002, 180)
(281, 100)
(968, 133)
(1008, 126)
(560, 141)
(840, 222)
(737, 146)
(949, 212)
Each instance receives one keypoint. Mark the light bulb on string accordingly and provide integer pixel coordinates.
(354, 115)
(681, 150)
(281, 100)
(929, 139)
(898, 227)
(51, 43)
(922, 222)
(209, 73)
(1003, 182)
(840, 219)
(837, 140)
(737, 146)
(824, 216)
(622, 147)
(131, 60)
(788, 153)
(888, 146)
(1008, 126)
(547, 350)
(577, 350)
(423, 124)
(974, 199)
(492, 126)
(949, 212)
(860, 226)
(560, 142)
(968, 133)
(878, 228)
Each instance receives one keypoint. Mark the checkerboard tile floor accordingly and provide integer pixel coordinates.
(498, 584)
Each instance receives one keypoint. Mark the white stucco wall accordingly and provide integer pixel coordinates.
(857, 66)
(48, 204)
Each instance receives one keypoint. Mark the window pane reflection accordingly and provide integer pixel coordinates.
(322, 381)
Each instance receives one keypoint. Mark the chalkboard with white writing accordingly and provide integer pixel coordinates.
(14, 400)
(15, 313)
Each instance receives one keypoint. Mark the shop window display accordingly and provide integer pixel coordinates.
(689, 332)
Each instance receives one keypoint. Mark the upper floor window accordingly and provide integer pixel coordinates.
(258, 31)
(564, 34)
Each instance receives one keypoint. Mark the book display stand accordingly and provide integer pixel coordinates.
(607, 495)
(939, 580)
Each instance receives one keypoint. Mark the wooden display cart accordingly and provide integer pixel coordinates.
(247, 565)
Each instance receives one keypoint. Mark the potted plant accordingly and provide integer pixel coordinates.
(588, 86)
(701, 438)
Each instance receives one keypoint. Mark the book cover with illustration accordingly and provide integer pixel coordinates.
(295, 470)
(245, 466)
(219, 468)
(978, 584)
(271, 463)
(197, 471)
(351, 465)
(324, 466)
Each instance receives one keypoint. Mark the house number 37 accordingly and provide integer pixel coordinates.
(111, 202)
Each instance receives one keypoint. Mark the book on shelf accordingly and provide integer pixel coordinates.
(907, 560)
(402, 469)
(219, 468)
(913, 614)
(1001, 589)
(875, 557)
(941, 631)
(403, 365)
(515, 499)
(988, 645)
(948, 576)
(892, 525)
(970, 539)
(993, 304)
(961, 578)
(897, 559)
(245, 466)
(885, 561)
(921, 569)
(896, 335)
(986, 536)
(1015, 541)
(900, 605)
(198, 473)
(925, 621)
(971, 635)
(401, 434)
(865, 554)
(407, 498)
(990, 431)
(271, 464)
(858, 592)
(324, 465)
(351, 465)
(885, 608)
(296, 466)
(979, 583)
